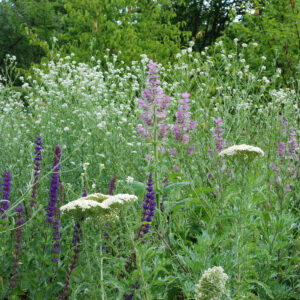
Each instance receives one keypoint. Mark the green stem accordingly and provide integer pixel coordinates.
(240, 229)
(101, 268)
(155, 144)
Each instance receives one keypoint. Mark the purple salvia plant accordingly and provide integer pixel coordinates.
(134, 287)
(149, 205)
(183, 125)
(4, 203)
(54, 186)
(52, 209)
(56, 237)
(18, 247)
(154, 104)
(112, 185)
(218, 133)
(37, 168)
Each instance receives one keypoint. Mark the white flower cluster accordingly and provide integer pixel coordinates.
(211, 286)
(98, 205)
(119, 199)
(82, 204)
(243, 151)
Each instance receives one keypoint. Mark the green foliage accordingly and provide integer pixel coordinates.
(130, 27)
(27, 28)
(207, 20)
(274, 25)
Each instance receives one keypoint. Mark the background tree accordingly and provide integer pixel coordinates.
(132, 27)
(274, 25)
(25, 24)
(206, 20)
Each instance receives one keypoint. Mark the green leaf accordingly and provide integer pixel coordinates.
(264, 286)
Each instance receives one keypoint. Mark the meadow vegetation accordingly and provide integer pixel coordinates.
(142, 180)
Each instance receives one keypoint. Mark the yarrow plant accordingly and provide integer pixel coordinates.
(104, 207)
(211, 286)
(242, 151)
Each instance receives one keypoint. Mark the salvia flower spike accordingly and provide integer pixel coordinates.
(149, 205)
(4, 203)
(54, 186)
(37, 169)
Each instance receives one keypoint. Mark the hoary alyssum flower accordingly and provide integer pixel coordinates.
(211, 286)
(242, 151)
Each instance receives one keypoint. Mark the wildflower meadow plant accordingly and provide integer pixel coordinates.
(233, 221)
(52, 211)
(18, 247)
(101, 209)
(218, 133)
(211, 285)
(37, 169)
(149, 205)
(4, 203)
(242, 155)
(54, 186)
(183, 125)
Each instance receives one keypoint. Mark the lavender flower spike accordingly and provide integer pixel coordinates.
(183, 125)
(54, 186)
(4, 203)
(37, 168)
(154, 104)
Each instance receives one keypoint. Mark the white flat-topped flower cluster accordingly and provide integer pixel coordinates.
(211, 286)
(244, 151)
(97, 205)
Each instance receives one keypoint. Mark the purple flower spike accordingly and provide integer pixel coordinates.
(112, 185)
(281, 151)
(183, 125)
(56, 237)
(18, 247)
(149, 205)
(4, 203)
(37, 168)
(218, 133)
(54, 186)
(154, 101)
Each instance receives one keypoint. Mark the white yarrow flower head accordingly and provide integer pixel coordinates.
(211, 286)
(102, 207)
(242, 151)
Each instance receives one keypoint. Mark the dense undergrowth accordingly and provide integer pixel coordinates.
(210, 211)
